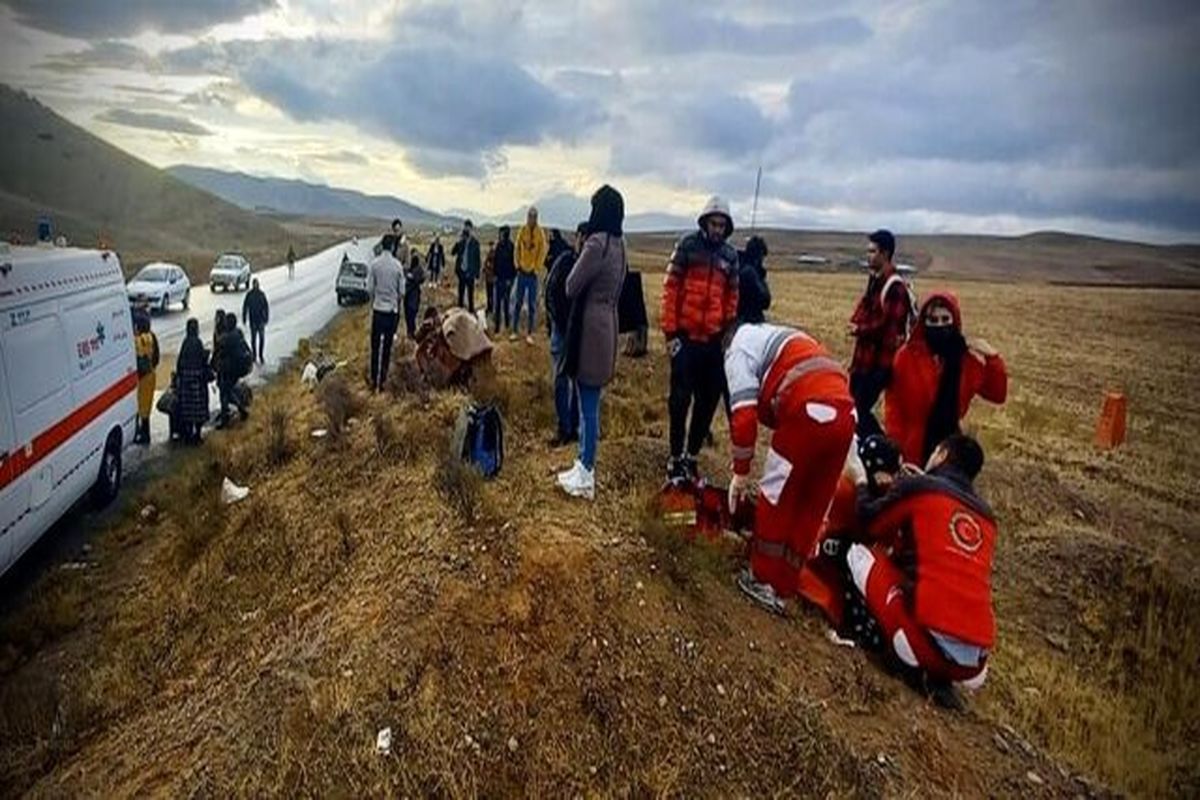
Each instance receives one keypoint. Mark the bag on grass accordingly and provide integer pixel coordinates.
(479, 438)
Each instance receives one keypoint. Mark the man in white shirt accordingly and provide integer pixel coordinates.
(386, 285)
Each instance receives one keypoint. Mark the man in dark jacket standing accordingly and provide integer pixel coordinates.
(879, 327)
(558, 311)
(466, 265)
(754, 295)
(506, 272)
(435, 259)
(255, 313)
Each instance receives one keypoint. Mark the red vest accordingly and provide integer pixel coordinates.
(952, 537)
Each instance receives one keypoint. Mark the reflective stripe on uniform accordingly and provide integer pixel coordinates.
(805, 367)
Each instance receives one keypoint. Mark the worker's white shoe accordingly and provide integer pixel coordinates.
(568, 475)
(579, 482)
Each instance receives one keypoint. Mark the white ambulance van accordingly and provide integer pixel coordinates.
(68, 386)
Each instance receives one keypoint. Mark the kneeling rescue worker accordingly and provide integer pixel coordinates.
(936, 621)
(785, 379)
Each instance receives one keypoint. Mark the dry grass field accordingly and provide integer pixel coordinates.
(519, 643)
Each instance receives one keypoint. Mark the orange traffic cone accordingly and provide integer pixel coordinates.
(1110, 432)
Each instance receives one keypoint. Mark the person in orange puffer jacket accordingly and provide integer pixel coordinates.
(699, 305)
(935, 377)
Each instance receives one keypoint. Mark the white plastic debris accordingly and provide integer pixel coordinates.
(309, 376)
(320, 433)
(383, 741)
(232, 493)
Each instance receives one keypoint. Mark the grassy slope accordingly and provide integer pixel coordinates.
(519, 642)
(48, 165)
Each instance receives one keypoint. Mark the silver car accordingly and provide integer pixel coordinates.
(352, 283)
(157, 286)
(230, 271)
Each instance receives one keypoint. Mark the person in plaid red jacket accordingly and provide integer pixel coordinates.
(879, 326)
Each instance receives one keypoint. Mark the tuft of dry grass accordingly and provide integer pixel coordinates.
(279, 445)
(460, 485)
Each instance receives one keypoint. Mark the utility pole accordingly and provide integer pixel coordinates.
(754, 211)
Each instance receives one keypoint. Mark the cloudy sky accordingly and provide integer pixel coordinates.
(938, 115)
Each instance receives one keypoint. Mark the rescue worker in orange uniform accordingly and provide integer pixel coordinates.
(145, 345)
(935, 377)
(785, 379)
(824, 581)
(936, 618)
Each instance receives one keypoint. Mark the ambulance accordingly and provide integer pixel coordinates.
(68, 386)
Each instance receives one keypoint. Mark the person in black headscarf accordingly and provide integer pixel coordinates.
(754, 295)
(192, 374)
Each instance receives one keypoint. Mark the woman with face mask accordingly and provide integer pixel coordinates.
(935, 377)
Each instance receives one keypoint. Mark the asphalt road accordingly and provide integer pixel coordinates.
(299, 307)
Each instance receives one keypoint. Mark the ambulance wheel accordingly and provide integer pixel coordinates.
(108, 483)
(187, 297)
(166, 302)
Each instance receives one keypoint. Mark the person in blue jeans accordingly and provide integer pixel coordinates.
(558, 309)
(532, 246)
(594, 289)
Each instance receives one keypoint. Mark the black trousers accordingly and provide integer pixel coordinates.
(258, 342)
(866, 386)
(466, 294)
(697, 383)
(412, 305)
(383, 331)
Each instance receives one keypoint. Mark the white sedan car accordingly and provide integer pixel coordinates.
(158, 286)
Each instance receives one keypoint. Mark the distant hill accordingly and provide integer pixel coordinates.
(286, 196)
(92, 189)
(1042, 257)
(564, 210)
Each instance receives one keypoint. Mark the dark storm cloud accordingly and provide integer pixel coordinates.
(85, 19)
(152, 121)
(458, 105)
(105, 54)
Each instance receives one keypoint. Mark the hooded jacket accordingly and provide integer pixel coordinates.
(949, 532)
(910, 396)
(531, 248)
(700, 293)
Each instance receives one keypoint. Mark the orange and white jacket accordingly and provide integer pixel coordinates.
(762, 364)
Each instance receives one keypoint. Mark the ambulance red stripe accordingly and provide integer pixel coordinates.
(15, 464)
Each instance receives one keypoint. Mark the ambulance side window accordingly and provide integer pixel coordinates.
(35, 375)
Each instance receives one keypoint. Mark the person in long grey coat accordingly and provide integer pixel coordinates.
(594, 289)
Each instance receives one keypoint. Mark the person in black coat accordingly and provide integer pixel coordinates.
(754, 295)
(467, 265)
(255, 313)
(505, 264)
(192, 374)
(230, 362)
(414, 277)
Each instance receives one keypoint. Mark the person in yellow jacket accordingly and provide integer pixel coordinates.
(532, 246)
(146, 347)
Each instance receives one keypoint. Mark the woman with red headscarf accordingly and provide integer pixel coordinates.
(935, 377)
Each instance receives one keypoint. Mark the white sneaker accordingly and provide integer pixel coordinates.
(528, 340)
(512, 337)
(580, 484)
(566, 476)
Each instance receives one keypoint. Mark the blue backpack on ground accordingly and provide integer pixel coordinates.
(482, 434)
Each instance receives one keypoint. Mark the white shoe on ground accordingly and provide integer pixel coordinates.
(581, 482)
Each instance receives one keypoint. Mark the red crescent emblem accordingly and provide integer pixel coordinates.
(966, 532)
